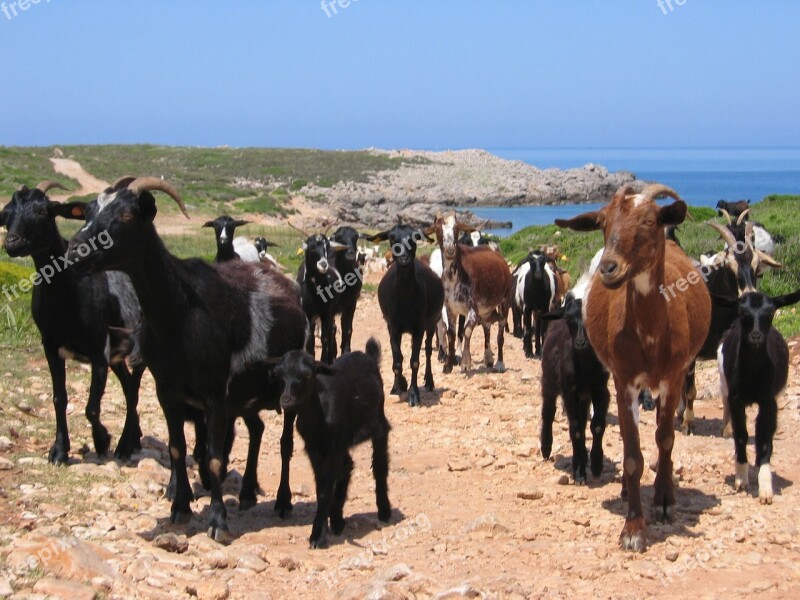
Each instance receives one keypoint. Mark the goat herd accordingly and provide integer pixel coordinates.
(228, 339)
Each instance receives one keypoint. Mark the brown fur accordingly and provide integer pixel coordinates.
(643, 338)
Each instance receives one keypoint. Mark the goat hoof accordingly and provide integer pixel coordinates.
(337, 525)
(58, 455)
(597, 469)
(413, 398)
(528, 354)
(385, 513)
(447, 369)
(180, 517)
(579, 478)
(283, 508)
(220, 534)
(319, 543)
(687, 427)
(102, 441)
(500, 367)
(633, 535)
(247, 503)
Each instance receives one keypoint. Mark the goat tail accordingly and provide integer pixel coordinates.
(374, 350)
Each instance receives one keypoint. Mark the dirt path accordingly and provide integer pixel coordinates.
(73, 169)
(477, 513)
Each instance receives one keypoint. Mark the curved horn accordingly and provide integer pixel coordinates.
(150, 184)
(122, 182)
(724, 233)
(328, 228)
(46, 186)
(727, 215)
(305, 234)
(742, 216)
(657, 190)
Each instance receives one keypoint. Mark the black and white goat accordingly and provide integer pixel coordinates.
(411, 298)
(570, 369)
(753, 361)
(321, 289)
(261, 245)
(338, 407)
(201, 325)
(535, 289)
(73, 312)
(224, 228)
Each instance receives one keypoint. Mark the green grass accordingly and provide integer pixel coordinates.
(779, 214)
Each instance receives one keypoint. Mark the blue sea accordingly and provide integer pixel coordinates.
(700, 176)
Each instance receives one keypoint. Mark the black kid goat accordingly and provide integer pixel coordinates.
(338, 407)
(753, 362)
(570, 369)
(74, 312)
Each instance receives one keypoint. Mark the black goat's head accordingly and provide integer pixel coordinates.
(740, 254)
(756, 311)
(224, 228)
(298, 370)
(403, 240)
(30, 216)
(124, 215)
(319, 251)
(572, 313)
(261, 244)
(347, 236)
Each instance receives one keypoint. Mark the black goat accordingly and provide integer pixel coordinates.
(224, 228)
(338, 407)
(411, 297)
(73, 312)
(321, 288)
(352, 273)
(201, 325)
(753, 366)
(733, 209)
(570, 369)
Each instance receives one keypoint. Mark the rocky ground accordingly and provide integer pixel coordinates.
(461, 178)
(477, 512)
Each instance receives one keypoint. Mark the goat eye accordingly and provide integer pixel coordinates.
(125, 217)
(40, 211)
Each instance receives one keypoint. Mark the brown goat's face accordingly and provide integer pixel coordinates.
(633, 229)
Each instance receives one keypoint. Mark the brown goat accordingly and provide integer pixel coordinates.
(645, 336)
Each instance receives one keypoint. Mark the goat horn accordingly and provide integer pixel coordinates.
(48, 185)
(122, 182)
(742, 216)
(141, 184)
(329, 227)
(657, 190)
(724, 233)
(727, 215)
(304, 233)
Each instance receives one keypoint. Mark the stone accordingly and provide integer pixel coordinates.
(63, 557)
(671, 554)
(64, 590)
(93, 470)
(5, 443)
(32, 461)
(211, 589)
(531, 494)
(171, 542)
(252, 562)
(5, 464)
(457, 465)
(5, 588)
(563, 480)
(215, 559)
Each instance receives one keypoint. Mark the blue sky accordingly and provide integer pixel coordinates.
(421, 74)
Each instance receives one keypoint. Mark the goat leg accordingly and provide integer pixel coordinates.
(130, 438)
(428, 367)
(380, 470)
(633, 536)
(527, 335)
(247, 495)
(180, 512)
(100, 436)
(766, 425)
(283, 501)
(664, 486)
(600, 401)
(324, 476)
(340, 496)
(740, 435)
(217, 421)
(59, 452)
(400, 383)
(416, 345)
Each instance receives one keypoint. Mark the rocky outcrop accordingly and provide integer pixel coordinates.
(437, 181)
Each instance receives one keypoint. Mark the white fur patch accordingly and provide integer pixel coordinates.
(519, 292)
(633, 392)
(548, 269)
(643, 284)
(723, 382)
(765, 484)
(223, 235)
(261, 322)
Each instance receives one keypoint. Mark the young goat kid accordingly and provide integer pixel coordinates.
(570, 369)
(338, 407)
(753, 367)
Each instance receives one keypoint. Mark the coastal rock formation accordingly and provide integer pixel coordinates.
(437, 181)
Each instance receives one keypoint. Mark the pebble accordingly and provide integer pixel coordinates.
(32, 461)
(252, 562)
(671, 554)
(5, 464)
(455, 465)
(172, 543)
(216, 559)
(289, 563)
(64, 589)
(563, 480)
(531, 494)
(5, 443)
(5, 588)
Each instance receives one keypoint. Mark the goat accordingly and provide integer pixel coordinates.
(201, 325)
(411, 297)
(261, 244)
(535, 293)
(73, 312)
(477, 284)
(753, 361)
(733, 209)
(338, 407)
(729, 274)
(645, 339)
(224, 228)
(321, 288)
(353, 275)
(570, 369)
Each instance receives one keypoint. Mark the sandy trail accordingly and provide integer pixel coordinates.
(73, 169)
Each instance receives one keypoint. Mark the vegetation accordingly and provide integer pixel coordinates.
(779, 214)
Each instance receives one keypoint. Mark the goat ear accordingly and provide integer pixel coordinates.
(69, 210)
(672, 214)
(724, 301)
(240, 223)
(378, 237)
(336, 246)
(768, 260)
(324, 369)
(786, 299)
(208, 224)
(553, 315)
(586, 222)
